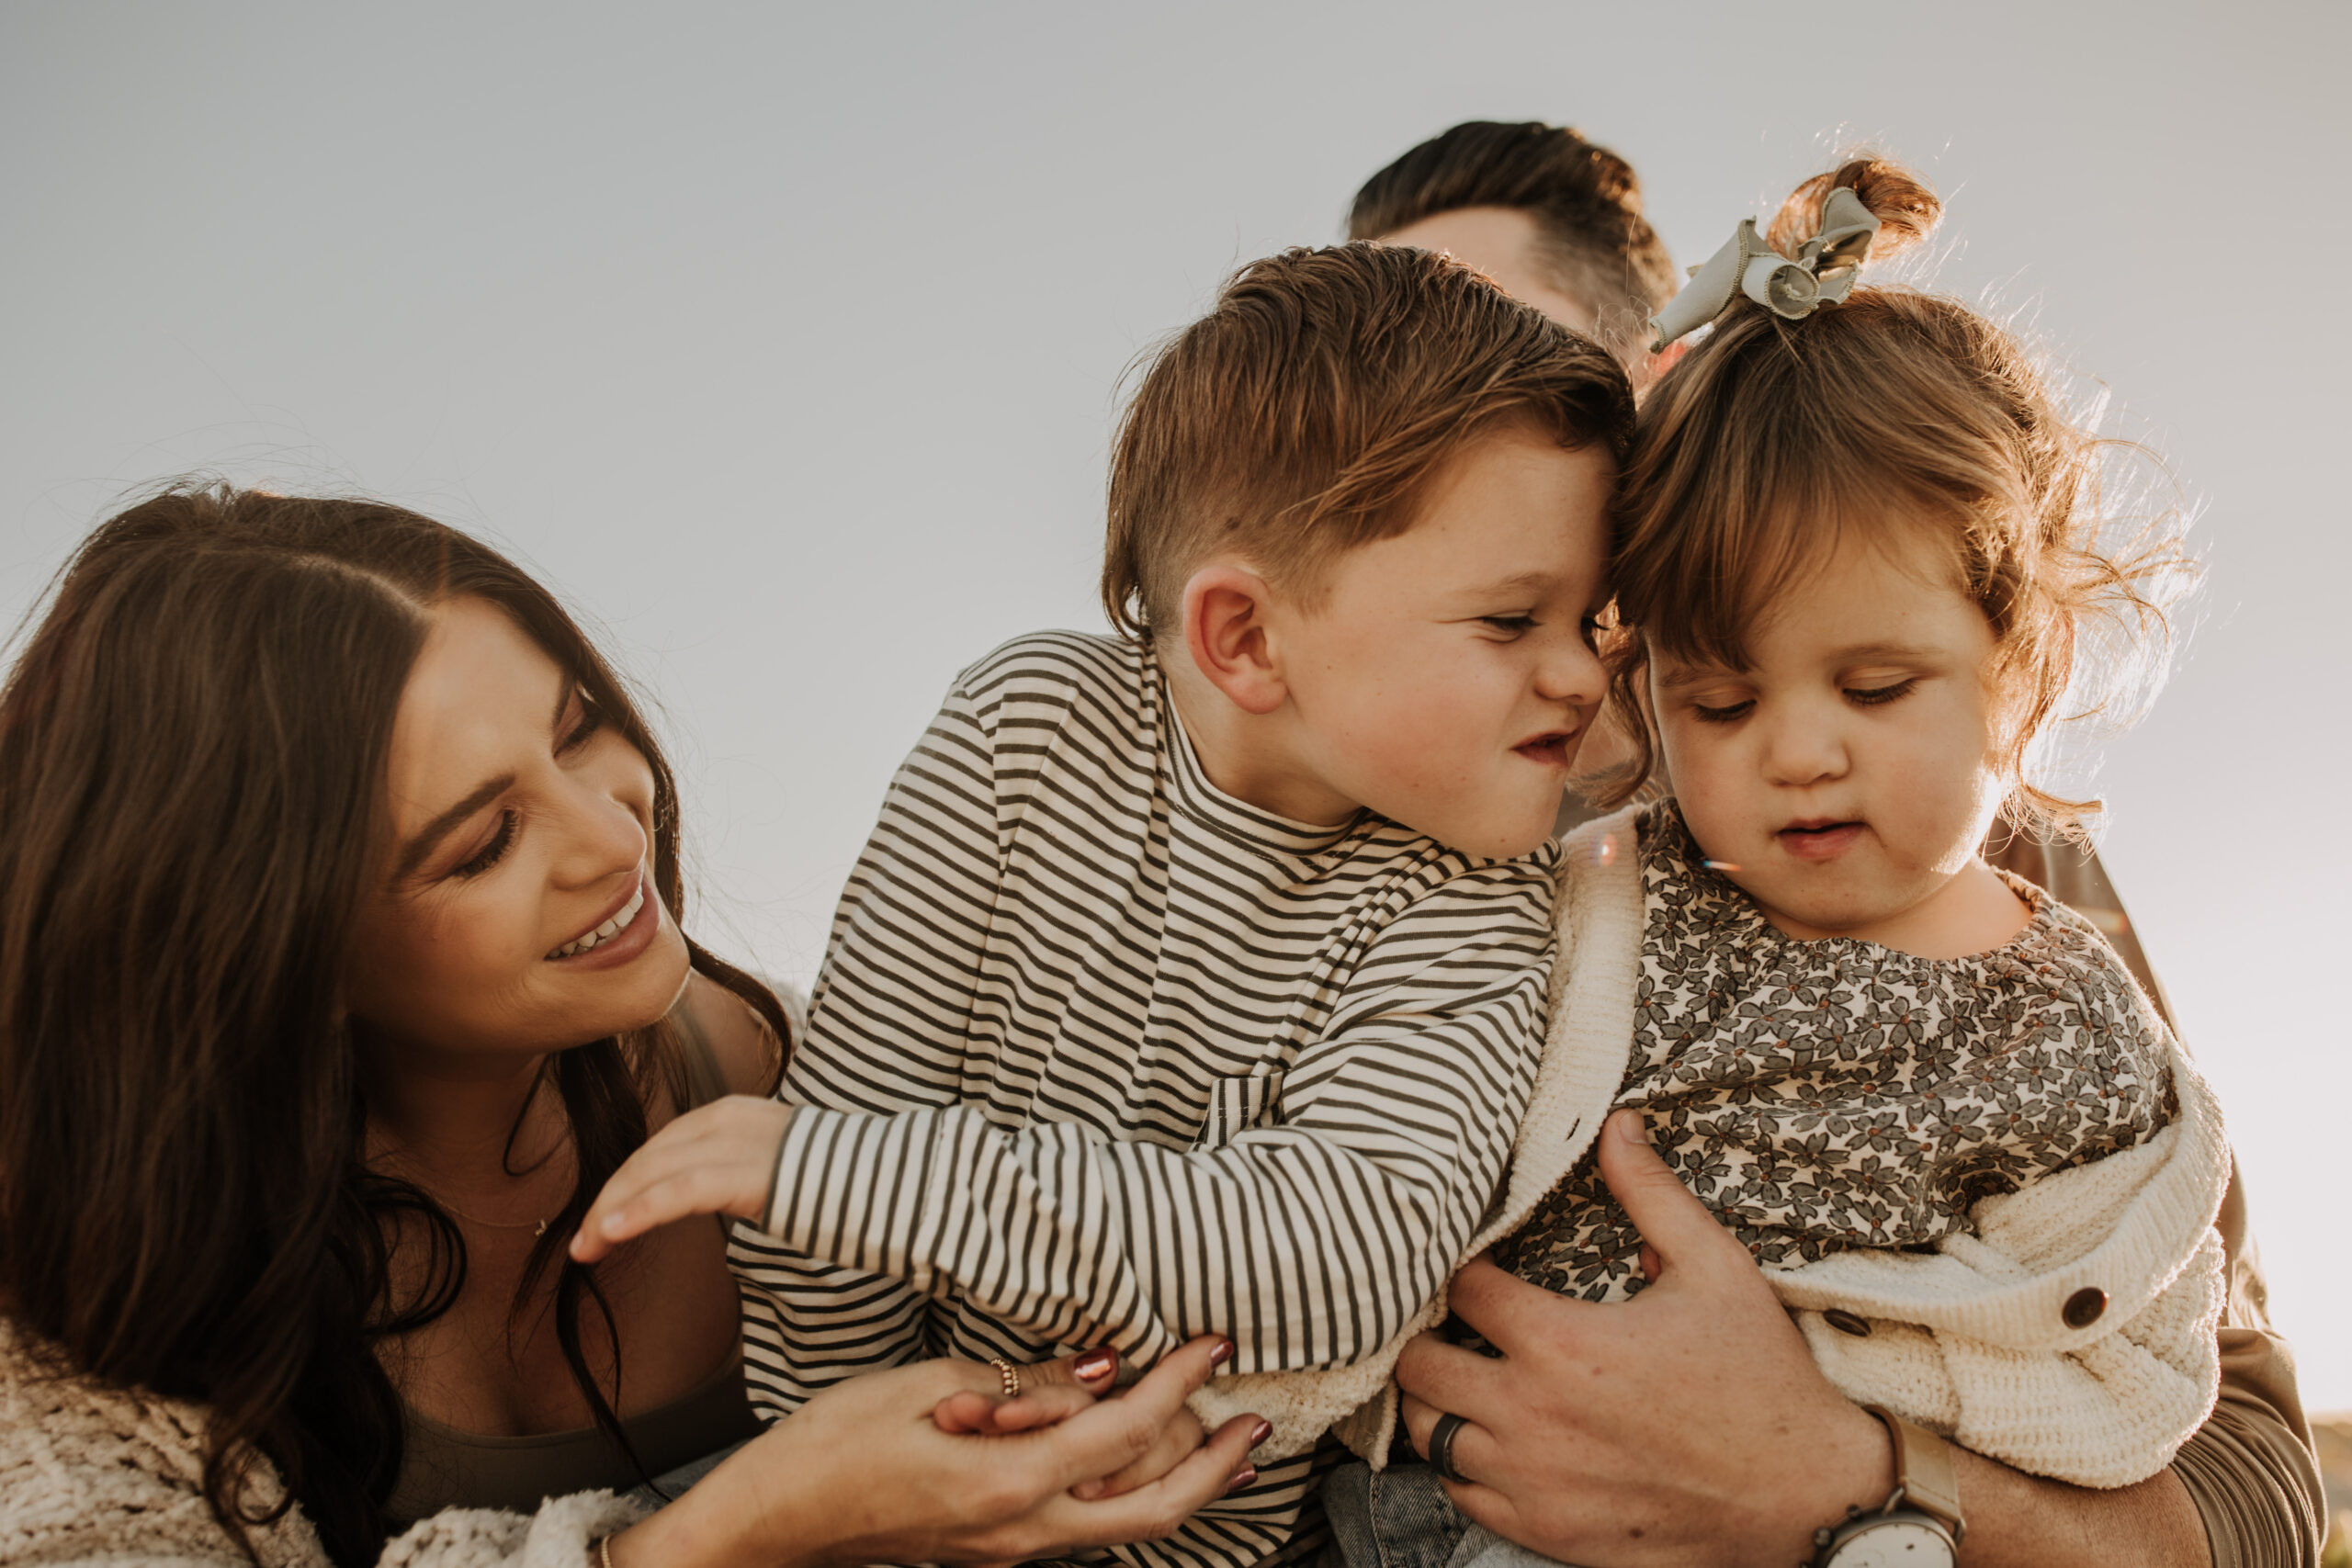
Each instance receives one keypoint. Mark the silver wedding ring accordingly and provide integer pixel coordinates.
(1441, 1438)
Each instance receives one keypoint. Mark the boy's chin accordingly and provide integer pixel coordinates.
(1493, 840)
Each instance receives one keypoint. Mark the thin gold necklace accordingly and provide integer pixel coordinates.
(536, 1227)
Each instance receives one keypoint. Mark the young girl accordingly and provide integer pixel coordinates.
(1860, 569)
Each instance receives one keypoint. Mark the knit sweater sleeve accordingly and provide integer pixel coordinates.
(93, 1474)
(2071, 1332)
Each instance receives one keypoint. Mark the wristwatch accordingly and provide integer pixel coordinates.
(1918, 1525)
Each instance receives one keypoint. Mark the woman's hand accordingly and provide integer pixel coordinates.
(719, 1159)
(1688, 1425)
(863, 1474)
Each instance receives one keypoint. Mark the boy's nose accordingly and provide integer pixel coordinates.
(1571, 672)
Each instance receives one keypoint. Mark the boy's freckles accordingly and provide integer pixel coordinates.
(1446, 675)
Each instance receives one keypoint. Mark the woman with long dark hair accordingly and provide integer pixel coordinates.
(340, 964)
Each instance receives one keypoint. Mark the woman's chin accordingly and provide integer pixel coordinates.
(633, 995)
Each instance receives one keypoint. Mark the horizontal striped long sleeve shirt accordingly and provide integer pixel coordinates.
(1104, 1056)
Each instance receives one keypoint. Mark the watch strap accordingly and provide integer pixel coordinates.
(1926, 1477)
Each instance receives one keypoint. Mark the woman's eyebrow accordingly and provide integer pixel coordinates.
(413, 854)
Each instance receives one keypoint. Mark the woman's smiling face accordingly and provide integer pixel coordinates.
(521, 829)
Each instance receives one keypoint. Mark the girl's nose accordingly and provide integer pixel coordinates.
(1801, 750)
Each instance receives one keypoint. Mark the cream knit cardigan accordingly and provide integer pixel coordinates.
(1970, 1340)
(91, 1474)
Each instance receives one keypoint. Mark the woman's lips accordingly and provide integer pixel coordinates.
(1818, 841)
(620, 935)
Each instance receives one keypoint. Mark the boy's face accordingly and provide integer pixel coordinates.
(1447, 677)
(1847, 776)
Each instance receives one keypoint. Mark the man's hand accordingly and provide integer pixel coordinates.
(1688, 1425)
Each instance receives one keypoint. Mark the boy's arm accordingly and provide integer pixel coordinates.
(894, 1002)
(885, 1033)
(1309, 1242)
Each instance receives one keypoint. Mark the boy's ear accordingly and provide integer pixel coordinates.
(1225, 630)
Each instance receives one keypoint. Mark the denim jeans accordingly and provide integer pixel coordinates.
(1401, 1517)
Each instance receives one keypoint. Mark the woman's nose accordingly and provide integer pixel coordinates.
(604, 833)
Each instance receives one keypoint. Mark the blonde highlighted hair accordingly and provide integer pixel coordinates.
(1773, 441)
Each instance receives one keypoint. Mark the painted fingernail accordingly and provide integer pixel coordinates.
(1096, 1365)
(1261, 1432)
(1221, 1352)
(1242, 1477)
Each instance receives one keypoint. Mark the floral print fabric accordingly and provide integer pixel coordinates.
(1832, 1094)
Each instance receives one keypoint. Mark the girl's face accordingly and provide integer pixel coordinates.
(517, 912)
(1848, 777)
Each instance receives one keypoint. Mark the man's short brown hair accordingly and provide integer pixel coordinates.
(1304, 416)
(1586, 201)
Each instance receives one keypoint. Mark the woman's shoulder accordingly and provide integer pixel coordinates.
(90, 1471)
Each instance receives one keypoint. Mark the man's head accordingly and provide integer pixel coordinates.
(1547, 214)
(1359, 508)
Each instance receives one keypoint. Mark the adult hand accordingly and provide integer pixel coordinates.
(1689, 1425)
(866, 1473)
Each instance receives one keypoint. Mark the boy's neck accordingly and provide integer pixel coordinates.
(1251, 756)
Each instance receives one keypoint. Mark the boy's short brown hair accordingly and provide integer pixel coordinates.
(1304, 416)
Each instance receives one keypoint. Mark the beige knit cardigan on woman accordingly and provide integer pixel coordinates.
(1972, 1340)
(93, 1474)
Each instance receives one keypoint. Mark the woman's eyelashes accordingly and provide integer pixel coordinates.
(582, 722)
(580, 725)
(1512, 626)
(491, 853)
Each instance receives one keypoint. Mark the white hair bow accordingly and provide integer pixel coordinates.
(1821, 273)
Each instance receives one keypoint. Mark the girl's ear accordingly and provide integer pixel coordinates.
(1227, 609)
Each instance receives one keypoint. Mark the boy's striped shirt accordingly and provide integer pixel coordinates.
(1102, 1055)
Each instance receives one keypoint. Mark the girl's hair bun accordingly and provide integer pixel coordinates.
(1906, 209)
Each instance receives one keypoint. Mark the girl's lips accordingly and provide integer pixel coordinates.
(630, 939)
(1825, 842)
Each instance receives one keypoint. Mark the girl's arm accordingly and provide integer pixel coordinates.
(1691, 1425)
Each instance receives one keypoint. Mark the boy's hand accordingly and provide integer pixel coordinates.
(717, 1160)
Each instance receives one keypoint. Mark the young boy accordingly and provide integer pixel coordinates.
(1192, 980)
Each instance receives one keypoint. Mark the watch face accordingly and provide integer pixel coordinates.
(1893, 1543)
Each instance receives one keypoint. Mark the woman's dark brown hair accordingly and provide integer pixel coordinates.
(1894, 413)
(193, 752)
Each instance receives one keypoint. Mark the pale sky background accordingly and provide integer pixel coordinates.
(784, 341)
